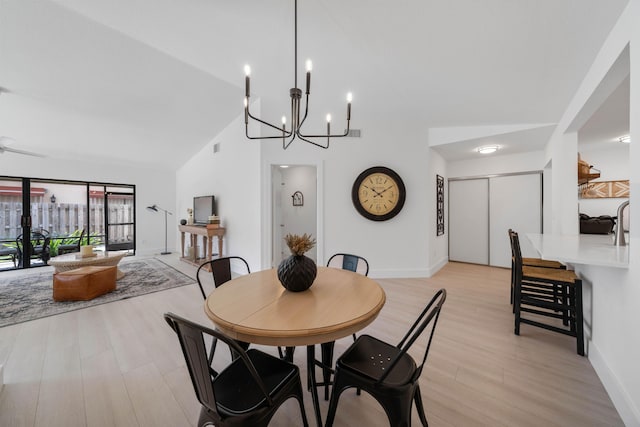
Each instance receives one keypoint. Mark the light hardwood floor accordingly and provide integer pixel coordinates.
(119, 364)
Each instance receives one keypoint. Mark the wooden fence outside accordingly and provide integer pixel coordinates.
(62, 219)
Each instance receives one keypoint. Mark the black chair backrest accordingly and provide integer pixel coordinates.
(80, 240)
(429, 315)
(220, 269)
(38, 243)
(515, 247)
(191, 337)
(349, 262)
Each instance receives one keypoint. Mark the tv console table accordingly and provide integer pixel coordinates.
(207, 232)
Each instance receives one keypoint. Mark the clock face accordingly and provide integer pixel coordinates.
(378, 193)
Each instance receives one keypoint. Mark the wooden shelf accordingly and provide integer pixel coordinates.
(584, 178)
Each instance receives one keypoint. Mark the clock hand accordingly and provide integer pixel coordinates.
(377, 194)
(380, 193)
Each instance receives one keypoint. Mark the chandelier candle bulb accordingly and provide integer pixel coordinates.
(309, 67)
(247, 73)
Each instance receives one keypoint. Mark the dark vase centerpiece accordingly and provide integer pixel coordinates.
(297, 272)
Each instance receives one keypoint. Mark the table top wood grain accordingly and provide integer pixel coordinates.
(256, 308)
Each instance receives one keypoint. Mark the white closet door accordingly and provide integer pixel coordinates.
(469, 221)
(515, 202)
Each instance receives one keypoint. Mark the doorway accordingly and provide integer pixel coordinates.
(294, 207)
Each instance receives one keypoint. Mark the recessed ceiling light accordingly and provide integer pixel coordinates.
(284, 166)
(488, 149)
(626, 139)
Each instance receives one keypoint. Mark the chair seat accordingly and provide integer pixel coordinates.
(548, 274)
(537, 262)
(237, 393)
(370, 357)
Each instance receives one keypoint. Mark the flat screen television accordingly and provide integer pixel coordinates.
(203, 208)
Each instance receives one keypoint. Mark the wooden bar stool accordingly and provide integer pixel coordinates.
(548, 292)
(529, 262)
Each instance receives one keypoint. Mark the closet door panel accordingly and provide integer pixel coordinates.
(516, 203)
(469, 221)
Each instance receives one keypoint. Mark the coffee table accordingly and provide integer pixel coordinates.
(70, 261)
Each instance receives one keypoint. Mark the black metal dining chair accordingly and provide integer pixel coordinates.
(387, 372)
(247, 391)
(220, 268)
(349, 262)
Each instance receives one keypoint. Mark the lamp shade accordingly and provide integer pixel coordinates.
(153, 208)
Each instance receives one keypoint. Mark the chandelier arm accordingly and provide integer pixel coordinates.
(313, 142)
(285, 144)
(346, 132)
(306, 111)
(288, 133)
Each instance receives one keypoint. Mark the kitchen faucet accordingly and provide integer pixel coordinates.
(619, 231)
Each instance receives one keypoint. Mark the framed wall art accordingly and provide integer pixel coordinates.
(439, 205)
(298, 198)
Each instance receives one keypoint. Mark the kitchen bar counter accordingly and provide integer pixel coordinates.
(588, 249)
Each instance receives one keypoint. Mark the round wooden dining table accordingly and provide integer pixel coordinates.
(256, 308)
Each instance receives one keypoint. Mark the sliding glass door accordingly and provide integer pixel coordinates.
(10, 221)
(120, 225)
(42, 218)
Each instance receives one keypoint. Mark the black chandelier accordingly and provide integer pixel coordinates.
(296, 95)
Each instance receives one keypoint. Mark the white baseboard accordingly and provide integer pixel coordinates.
(409, 274)
(437, 266)
(621, 400)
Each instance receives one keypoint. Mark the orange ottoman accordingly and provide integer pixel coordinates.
(84, 283)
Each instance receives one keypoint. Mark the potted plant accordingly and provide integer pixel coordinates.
(297, 272)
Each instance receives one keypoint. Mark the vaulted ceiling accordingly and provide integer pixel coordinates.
(155, 80)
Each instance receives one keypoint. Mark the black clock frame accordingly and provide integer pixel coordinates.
(402, 193)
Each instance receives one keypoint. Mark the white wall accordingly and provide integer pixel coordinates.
(438, 245)
(394, 248)
(232, 175)
(612, 296)
(153, 186)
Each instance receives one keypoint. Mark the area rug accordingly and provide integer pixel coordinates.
(30, 296)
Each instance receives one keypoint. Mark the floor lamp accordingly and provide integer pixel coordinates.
(156, 208)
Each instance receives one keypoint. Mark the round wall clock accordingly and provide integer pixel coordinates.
(378, 193)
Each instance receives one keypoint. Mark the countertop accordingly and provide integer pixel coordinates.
(588, 249)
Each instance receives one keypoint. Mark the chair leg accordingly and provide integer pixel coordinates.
(398, 409)
(327, 361)
(298, 397)
(417, 397)
(333, 402)
(516, 308)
